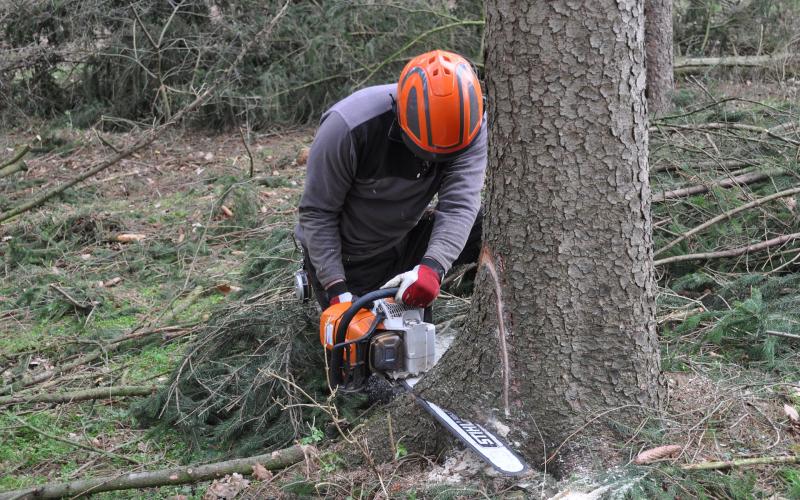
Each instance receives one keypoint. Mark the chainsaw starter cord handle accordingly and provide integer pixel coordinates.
(341, 332)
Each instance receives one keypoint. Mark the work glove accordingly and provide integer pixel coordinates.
(337, 293)
(418, 287)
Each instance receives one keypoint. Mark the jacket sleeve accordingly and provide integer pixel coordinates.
(459, 202)
(329, 176)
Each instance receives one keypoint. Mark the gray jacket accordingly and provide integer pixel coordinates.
(365, 190)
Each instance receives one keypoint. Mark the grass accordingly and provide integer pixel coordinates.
(70, 243)
(714, 315)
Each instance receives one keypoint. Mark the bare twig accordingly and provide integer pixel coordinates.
(782, 334)
(723, 164)
(734, 252)
(727, 464)
(74, 443)
(414, 41)
(727, 126)
(80, 305)
(726, 215)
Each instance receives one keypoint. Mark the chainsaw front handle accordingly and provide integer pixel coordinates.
(341, 332)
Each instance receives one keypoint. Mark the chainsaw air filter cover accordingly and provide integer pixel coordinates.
(386, 353)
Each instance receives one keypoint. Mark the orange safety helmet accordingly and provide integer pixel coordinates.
(439, 105)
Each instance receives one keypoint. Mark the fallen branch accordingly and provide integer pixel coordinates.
(164, 477)
(785, 127)
(738, 180)
(85, 307)
(75, 443)
(110, 346)
(84, 395)
(734, 252)
(727, 215)
(724, 164)
(154, 133)
(15, 164)
(683, 64)
(783, 334)
(727, 126)
(727, 464)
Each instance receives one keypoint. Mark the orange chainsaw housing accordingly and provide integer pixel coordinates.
(329, 324)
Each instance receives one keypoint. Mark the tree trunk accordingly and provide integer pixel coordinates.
(658, 42)
(568, 236)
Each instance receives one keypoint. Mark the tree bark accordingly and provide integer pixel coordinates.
(568, 235)
(658, 43)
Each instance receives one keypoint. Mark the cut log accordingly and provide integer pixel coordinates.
(738, 180)
(687, 64)
(15, 164)
(164, 477)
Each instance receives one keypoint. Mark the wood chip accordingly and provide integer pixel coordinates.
(791, 412)
(302, 157)
(112, 282)
(261, 473)
(657, 453)
(226, 288)
(130, 237)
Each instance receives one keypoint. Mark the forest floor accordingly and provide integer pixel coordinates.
(71, 288)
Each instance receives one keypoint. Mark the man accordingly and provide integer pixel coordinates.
(378, 159)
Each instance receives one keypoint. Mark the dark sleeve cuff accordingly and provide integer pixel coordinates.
(433, 264)
(337, 288)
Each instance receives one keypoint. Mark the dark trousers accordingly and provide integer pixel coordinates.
(370, 274)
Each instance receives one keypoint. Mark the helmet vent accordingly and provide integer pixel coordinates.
(446, 71)
(436, 72)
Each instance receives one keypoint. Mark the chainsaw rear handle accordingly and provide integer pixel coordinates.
(335, 367)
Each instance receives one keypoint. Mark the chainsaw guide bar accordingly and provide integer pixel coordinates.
(485, 443)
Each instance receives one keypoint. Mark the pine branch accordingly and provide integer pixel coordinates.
(155, 132)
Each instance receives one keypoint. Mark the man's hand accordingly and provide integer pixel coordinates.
(337, 293)
(419, 287)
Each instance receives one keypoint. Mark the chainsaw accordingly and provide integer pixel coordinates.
(376, 336)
